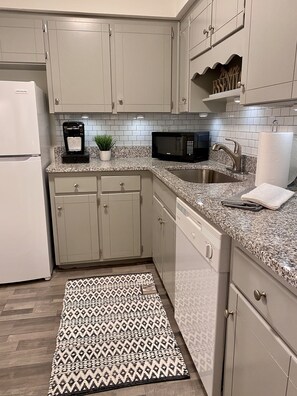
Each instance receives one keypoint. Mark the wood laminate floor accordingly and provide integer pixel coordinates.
(29, 321)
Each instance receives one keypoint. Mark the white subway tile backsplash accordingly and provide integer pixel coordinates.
(238, 122)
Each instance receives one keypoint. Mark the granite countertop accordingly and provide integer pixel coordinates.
(271, 236)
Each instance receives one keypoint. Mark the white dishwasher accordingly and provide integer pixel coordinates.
(202, 272)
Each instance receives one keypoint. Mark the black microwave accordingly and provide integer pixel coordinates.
(180, 146)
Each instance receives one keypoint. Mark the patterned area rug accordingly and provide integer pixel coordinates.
(114, 333)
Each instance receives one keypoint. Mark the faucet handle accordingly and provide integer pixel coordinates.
(237, 147)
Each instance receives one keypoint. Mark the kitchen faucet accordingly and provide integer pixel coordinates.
(234, 155)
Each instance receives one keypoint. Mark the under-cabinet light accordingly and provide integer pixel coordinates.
(295, 106)
(203, 115)
(84, 116)
(237, 99)
(139, 117)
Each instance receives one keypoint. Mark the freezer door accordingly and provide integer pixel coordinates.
(24, 244)
(19, 119)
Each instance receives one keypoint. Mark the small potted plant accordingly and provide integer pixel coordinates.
(105, 143)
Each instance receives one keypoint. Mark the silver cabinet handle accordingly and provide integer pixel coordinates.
(121, 102)
(211, 28)
(75, 185)
(241, 85)
(259, 294)
(205, 31)
(228, 313)
(105, 206)
(209, 251)
(57, 101)
(121, 184)
(184, 100)
(59, 208)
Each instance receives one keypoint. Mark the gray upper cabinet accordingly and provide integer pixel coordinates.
(268, 72)
(200, 37)
(227, 18)
(184, 64)
(212, 21)
(78, 70)
(142, 67)
(21, 40)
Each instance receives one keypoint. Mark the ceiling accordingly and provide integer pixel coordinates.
(167, 9)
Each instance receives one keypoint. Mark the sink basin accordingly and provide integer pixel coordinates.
(202, 176)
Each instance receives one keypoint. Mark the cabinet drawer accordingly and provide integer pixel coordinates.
(278, 307)
(165, 195)
(75, 184)
(120, 183)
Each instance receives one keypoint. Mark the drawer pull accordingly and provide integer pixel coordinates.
(228, 313)
(59, 208)
(121, 184)
(75, 185)
(105, 206)
(259, 294)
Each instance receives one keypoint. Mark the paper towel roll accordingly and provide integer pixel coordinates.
(273, 162)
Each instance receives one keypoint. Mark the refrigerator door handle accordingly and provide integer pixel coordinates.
(19, 158)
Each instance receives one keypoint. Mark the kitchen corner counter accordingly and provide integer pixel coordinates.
(271, 236)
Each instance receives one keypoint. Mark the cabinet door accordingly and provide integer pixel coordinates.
(143, 68)
(120, 217)
(184, 64)
(227, 17)
(79, 76)
(271, 51)
(168, 254)
(230, 339)
(157, 235)
(21, 40)
(200, 37)
(261, 359)
(77, 227)
(292, 383)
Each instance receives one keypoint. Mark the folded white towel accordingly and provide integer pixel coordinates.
(268, 195)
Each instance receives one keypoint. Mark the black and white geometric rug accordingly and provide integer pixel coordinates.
(113, 333)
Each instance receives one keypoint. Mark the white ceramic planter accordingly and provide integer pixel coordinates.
(105, 155)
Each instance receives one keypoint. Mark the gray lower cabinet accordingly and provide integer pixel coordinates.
(101, 216)
(120, 218)
(163, 223)
(157, 235)
(260, 353)
(77, 227)
(164, 246)
(257, 361)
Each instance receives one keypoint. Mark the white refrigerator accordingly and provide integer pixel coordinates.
(25, 236)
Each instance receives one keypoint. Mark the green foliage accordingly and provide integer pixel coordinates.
(104, 142)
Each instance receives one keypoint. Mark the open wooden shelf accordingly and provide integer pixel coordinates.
(223, 96)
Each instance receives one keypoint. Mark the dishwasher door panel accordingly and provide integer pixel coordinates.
(200, 300)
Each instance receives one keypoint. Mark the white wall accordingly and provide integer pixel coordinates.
(144, 8)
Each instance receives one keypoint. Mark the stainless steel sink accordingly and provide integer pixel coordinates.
(202, 176)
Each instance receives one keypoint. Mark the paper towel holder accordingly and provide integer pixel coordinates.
(274, 126)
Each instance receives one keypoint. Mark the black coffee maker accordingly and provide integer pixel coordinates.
(74, 140)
